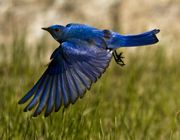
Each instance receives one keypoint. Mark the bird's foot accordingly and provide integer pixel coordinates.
(118, 58)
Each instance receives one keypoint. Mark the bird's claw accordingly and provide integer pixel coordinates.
(118, 58)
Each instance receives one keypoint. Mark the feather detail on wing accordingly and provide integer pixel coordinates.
(74, 66)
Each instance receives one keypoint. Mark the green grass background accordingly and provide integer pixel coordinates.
(139, 101)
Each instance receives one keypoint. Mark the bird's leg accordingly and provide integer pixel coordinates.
(118, 58)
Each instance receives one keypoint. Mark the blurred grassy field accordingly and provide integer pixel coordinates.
(137, 102)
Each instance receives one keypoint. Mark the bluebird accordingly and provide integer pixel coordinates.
(82, 57)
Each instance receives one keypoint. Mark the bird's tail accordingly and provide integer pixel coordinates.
(146, 38)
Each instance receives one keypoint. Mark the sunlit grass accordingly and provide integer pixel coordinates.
(137, 102)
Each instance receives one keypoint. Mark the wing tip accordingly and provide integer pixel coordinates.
(57, 109)
(21, 101)
(36, 113)
(25, 98)
(46, 114)
(25, 109)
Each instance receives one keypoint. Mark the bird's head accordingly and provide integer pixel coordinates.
(56, 31)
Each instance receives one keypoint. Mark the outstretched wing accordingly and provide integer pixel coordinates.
(75, 65)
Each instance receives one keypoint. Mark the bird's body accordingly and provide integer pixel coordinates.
(83, 55)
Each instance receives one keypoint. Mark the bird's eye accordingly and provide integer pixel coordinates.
(57, 29)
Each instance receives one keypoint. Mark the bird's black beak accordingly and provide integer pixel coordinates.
(46, 29)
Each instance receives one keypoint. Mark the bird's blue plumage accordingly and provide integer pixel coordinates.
(83, 55)
(146, 38)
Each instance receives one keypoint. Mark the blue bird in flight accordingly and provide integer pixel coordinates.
(82, 57)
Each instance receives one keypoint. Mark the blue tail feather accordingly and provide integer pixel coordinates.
(146, 38)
